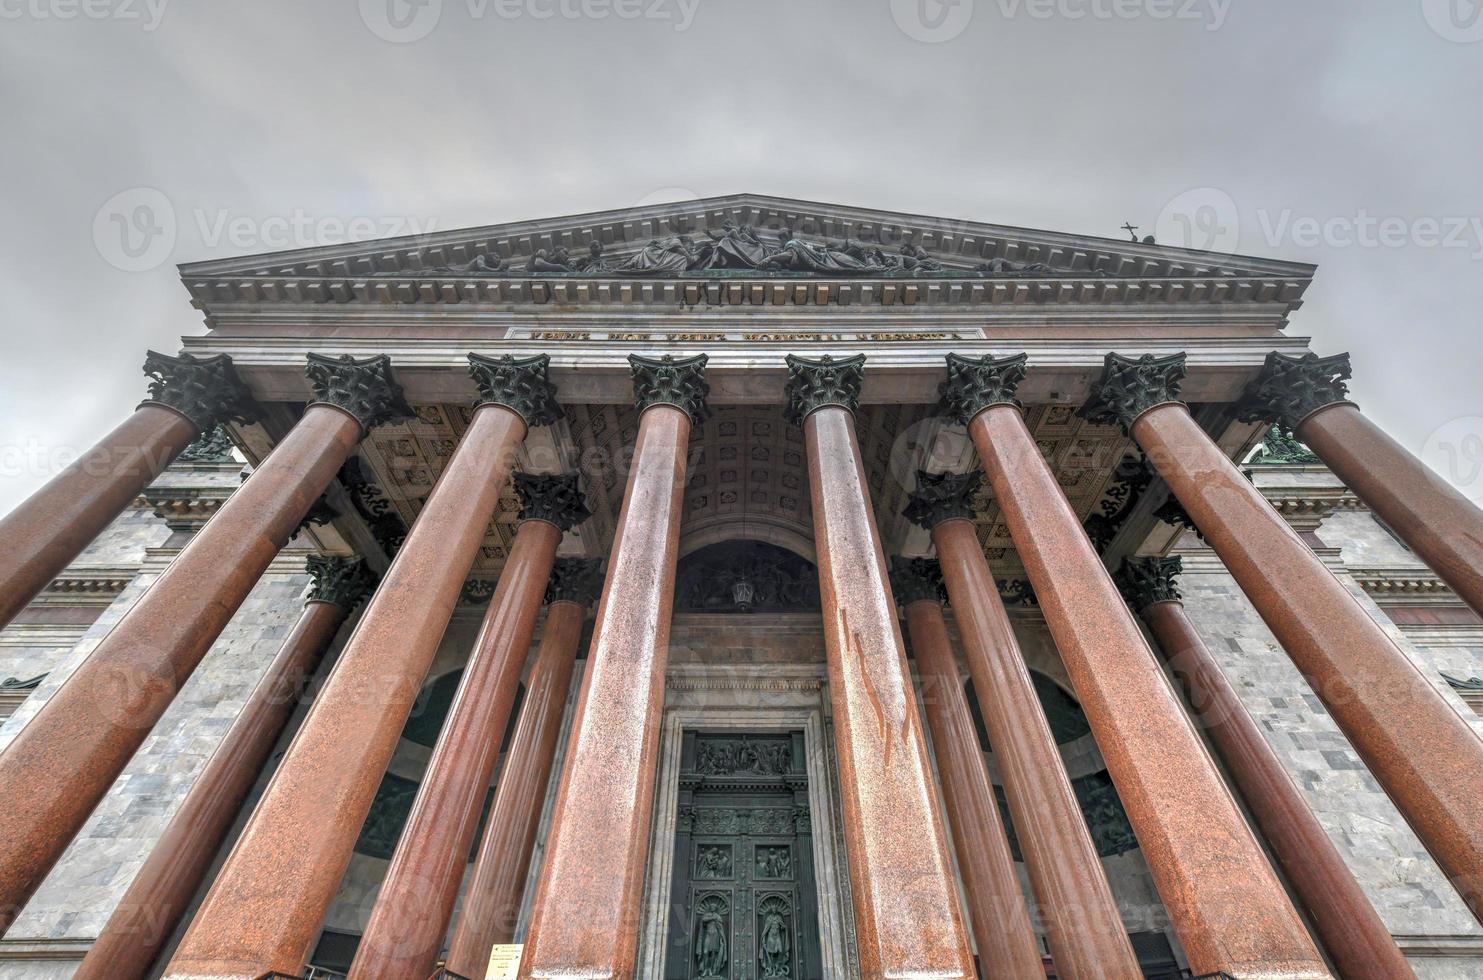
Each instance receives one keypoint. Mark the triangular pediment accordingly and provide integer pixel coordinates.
(698, 247)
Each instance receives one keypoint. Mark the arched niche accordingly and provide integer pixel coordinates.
(746, 576)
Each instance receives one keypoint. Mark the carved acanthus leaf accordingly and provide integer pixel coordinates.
(973, 384)
(342, 581)
(669, 380)
(362, 387)
(1289, 389)
(205, 390)
(519, 383)
(555, 499)
(915, 580)
(1131, 386)
(576, 580)
(1144, 581)
(814, 383)
(942, 497)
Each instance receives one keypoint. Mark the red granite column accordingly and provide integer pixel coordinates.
(1356, 939)
(407, 925)
(1229, 909)
(907, 917)
(1082, 922)
(588, 904)
(188, 397)
(266, 906)
(64, 760)
(1007, 947)
(1307, 396)
(491, 905)
(164, 886)
(1415, 744)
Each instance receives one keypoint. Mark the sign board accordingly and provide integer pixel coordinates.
(504, 962)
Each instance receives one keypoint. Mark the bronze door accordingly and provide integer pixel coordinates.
(743, 891)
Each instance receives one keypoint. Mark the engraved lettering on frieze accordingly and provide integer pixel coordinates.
(561, 335)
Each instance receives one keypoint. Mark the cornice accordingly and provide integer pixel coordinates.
(616, 228)
(1388, 583)
(216, 296)
(101, 580)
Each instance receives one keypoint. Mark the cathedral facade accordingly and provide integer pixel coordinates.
(743, 589)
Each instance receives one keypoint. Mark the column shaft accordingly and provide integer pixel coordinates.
(1007, 947)
(589, 901)
(907, 915)
(62, 763)
(267, 904)
(46, 532)
(1441, 525)
(1356, 940)
(1085, 930)
(410, 918)
(492, 904)
(164, 886)
(1226, 903)
(1414, 743)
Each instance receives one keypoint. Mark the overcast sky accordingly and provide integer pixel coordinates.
(1340, 132)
